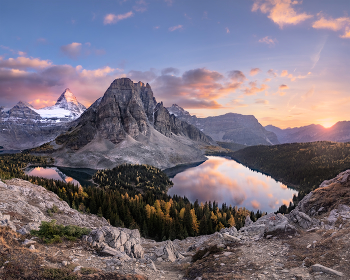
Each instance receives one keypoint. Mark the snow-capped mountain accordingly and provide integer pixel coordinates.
(23, 126)
(67, 106)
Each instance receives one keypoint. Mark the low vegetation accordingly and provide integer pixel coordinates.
(50, 232)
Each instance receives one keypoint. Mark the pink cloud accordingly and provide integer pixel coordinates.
(24, 63)
(254, 71)
(268, 40)
(254, 89)
(112, 18)
(72, 50)
(173, 28)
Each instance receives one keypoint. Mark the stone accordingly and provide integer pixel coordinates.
(152, 265)
(28, 241)
(248, 221)
(77, 268)
(138, 251)
(324, 269)
(230, 237)
(118, 239)
(31, 247)
(169, 251)
(65, 263)
(108, 251)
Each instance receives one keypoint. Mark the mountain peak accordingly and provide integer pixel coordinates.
(68, 96)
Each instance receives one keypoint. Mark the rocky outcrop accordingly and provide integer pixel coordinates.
(113, 241)
(126, 126)
(231, 127)
(23, 111)
(32, 203)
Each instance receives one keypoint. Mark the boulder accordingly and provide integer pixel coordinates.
(302, 219)
(116, 240)
(108, 251)
(5, 222)
(169, 251)
(248, 221)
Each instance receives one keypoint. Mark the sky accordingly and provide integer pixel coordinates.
(287, 62)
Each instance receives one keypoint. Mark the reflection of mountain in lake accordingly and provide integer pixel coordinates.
(226, 181)
(69, 175)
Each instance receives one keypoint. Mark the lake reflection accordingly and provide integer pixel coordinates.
(50, 173)
(226, 181)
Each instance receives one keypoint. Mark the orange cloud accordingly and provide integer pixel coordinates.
(261, 101)
(111, 18)
(237, 103)
(254, 89)
(280, 12)
(337, 24)
(254, 71)
(284, 73)
(255, 204)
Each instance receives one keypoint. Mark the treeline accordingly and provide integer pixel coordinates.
(12, 165)
(302, 165)
(148, 209)
(134, 178)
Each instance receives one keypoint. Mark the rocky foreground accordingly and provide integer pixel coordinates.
(312, 242)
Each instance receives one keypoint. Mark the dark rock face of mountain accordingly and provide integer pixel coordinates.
(126, 125)
(23, 111)
(340, 132)
(231, 127)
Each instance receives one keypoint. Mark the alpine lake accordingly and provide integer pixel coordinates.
(218, 179)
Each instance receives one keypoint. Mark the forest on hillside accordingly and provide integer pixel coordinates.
(134, 196)
(301, 165)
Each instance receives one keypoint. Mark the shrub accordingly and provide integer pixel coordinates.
(50, 232)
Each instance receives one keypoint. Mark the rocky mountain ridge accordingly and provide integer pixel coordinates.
(312, 242)
(339, 132)
(24, 127)
(231, 127)
(128, 125)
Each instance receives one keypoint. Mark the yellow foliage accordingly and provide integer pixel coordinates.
(213, 216)
(219, 226)
(231, 221)
(182, 213)
(195, 224)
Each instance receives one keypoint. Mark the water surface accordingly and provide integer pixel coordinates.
(226, 181)
(77, 176)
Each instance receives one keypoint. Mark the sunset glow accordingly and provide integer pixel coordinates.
(283, 61)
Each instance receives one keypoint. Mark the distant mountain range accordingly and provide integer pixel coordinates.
(340, 132)
(231, 127)
(24, 127)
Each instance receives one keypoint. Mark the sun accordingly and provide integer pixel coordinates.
(327, 124)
